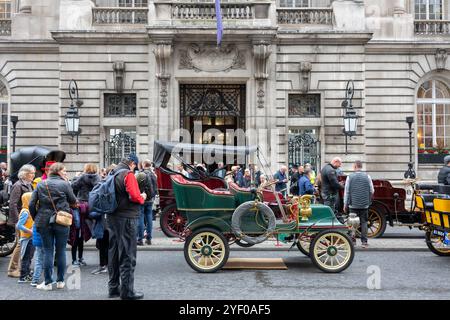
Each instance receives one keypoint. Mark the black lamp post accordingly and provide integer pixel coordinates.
(14, 120)
(350, 116)
(72, 117)
(410, 173)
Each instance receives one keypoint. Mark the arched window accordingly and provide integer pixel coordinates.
(4, 103)
(433, 118)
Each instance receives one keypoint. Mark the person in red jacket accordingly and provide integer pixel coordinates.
(122, 226)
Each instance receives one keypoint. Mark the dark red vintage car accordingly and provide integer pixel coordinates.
(389, 207)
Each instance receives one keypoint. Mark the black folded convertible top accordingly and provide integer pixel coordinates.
(163, 150)
(35, 155)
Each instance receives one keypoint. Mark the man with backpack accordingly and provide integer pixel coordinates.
(122, 226)
(147, 184)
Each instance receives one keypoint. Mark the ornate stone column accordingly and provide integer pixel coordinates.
(163, 52)
(261, 52)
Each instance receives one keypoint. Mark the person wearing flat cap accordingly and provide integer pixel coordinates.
(122, 226)
(444, 173)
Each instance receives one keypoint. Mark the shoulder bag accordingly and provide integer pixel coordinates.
(60, 217)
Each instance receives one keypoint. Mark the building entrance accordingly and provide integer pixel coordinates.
(213, 112)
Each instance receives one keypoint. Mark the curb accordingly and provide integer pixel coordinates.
(411, 249)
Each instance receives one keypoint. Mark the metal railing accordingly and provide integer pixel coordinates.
(321, 16)
(120, 16)
(207, 11)
(432, 27)
(5, 27)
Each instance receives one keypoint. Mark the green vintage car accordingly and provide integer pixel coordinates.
(217, 218)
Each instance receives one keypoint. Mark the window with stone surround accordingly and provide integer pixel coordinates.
(120, 105)
(4, 106)
(5, 10)
(120, 142)
(433, 121)
(304, 3)
(430, 9)
(122, 3)
(304, 105)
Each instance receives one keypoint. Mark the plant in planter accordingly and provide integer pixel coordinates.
(441, 148)
(3, 149)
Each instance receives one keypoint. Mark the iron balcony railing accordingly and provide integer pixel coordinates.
(432, 27)
(207, 11)
(319, 16)
(120, 16)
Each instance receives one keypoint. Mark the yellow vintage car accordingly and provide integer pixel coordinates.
(436, 209)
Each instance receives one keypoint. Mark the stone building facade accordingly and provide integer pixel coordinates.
(147, 68)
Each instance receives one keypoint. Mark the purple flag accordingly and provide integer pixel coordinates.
(219, 22)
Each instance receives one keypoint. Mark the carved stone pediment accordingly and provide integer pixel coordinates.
(209, 58)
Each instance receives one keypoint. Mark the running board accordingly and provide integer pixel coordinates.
(413, 225)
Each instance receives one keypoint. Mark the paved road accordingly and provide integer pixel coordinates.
(166, 276)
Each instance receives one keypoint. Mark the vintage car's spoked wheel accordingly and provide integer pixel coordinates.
(436, 245)
(7, 248)
(332, 251)
(376, 223)
(172, 221)
(206, 250)
(303, 244)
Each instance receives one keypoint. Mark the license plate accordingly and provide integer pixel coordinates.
(446, 239)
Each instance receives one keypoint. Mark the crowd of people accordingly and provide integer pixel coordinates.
(35, 203)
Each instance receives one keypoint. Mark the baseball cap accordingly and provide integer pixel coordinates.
(447, 159)
(134, 158)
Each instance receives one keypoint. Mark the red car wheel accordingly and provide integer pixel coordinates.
(172, 221)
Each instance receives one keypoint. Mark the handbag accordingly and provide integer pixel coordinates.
(60, 217)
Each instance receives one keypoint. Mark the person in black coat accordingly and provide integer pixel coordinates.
(79, 230)
(51, 195)
(444, 173)
(295, 177)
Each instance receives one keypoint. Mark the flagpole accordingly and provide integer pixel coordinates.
(219, 23)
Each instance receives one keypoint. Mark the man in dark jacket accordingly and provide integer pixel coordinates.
(358, 197)
(304, 184)
(295, 177)
(444, 173)
(330, 185)
(147, 184)
(281, 177)
(122, 227)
